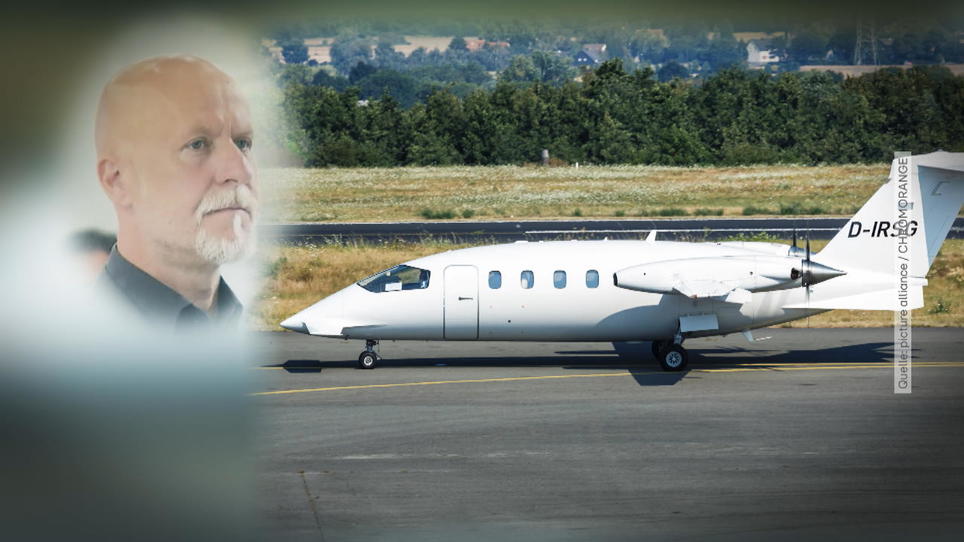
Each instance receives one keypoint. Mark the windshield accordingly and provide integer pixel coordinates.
(400, 277)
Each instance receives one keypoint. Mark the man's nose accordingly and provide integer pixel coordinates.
(233, 164)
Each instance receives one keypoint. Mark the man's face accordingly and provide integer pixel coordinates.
(194, 191)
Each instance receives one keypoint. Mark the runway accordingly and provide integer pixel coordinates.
(795, 437)
(673, 229)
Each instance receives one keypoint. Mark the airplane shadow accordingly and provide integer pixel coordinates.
(636, 358)
(301, 366)
(876, 352)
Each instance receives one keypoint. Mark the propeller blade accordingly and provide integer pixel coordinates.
(794, 238)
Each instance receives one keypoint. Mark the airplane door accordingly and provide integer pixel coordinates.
(461, 302)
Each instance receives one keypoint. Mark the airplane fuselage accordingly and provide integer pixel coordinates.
(544, 291)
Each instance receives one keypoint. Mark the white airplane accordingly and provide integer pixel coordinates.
(659, 291)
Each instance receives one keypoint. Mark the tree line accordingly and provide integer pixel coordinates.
(614, 116)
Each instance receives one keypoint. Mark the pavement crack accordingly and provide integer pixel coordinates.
(311, 503)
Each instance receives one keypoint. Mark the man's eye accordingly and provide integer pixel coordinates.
(198, 144)
(243, 143)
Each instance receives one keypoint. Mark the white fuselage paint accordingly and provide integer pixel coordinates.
(545, 312)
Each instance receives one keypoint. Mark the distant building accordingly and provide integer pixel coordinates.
(474, 44)
(761, 52)
(591, 54)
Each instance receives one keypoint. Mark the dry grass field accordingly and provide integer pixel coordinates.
(518, 192)
(301, 275)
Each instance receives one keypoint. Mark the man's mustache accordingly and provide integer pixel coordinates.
(240, 197)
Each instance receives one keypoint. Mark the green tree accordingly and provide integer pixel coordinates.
(552, 69)
(402, 87)
(673, 70)
(807, 47)
(346, 53)
(360, 71)
(520, 70)
(458, 44)
(294, 51)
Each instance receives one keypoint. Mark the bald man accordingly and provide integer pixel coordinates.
(174, 140)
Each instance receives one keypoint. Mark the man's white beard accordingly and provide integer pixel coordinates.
(218, 250)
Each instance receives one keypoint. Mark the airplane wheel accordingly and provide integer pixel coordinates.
(673, 358)
(367, 360)
(657, 346)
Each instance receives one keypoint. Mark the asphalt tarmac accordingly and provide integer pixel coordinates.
(796, 437)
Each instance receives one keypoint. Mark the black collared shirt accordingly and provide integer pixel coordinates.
(160, 304)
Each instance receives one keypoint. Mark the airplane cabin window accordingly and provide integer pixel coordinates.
(527, 279)
(495, 280)
(592, 279)
(400, 277)
(559, 279)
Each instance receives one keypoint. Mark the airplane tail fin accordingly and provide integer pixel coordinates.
(922, 197)
(903, 224)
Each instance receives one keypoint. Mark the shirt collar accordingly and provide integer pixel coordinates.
(157, 301)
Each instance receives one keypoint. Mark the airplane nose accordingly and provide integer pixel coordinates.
(295, 323)
(325, 318)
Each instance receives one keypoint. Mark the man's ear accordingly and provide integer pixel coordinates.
(115, 184)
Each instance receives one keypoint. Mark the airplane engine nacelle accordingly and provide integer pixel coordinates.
(712, 276)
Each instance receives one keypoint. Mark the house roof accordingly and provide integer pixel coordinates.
(594, 48)
(474, 44)
(762, 44)
(596, 51)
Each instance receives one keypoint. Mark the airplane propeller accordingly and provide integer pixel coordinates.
(811, 272)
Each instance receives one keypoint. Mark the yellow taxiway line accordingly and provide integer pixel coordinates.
(743, 367)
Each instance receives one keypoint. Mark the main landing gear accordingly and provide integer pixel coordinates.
(671, 354)
(368, 359)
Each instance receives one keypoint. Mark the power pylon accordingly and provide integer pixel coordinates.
(866, 45)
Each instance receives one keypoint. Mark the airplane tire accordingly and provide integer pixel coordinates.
(673, 358)
(367, 360)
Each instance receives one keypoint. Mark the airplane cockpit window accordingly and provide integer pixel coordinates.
(495, 280)
(400, 277)
(527, 278)
(559, 279)
(592, 279)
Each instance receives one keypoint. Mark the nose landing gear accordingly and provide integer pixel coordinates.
(671, 354)
(369, 358)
